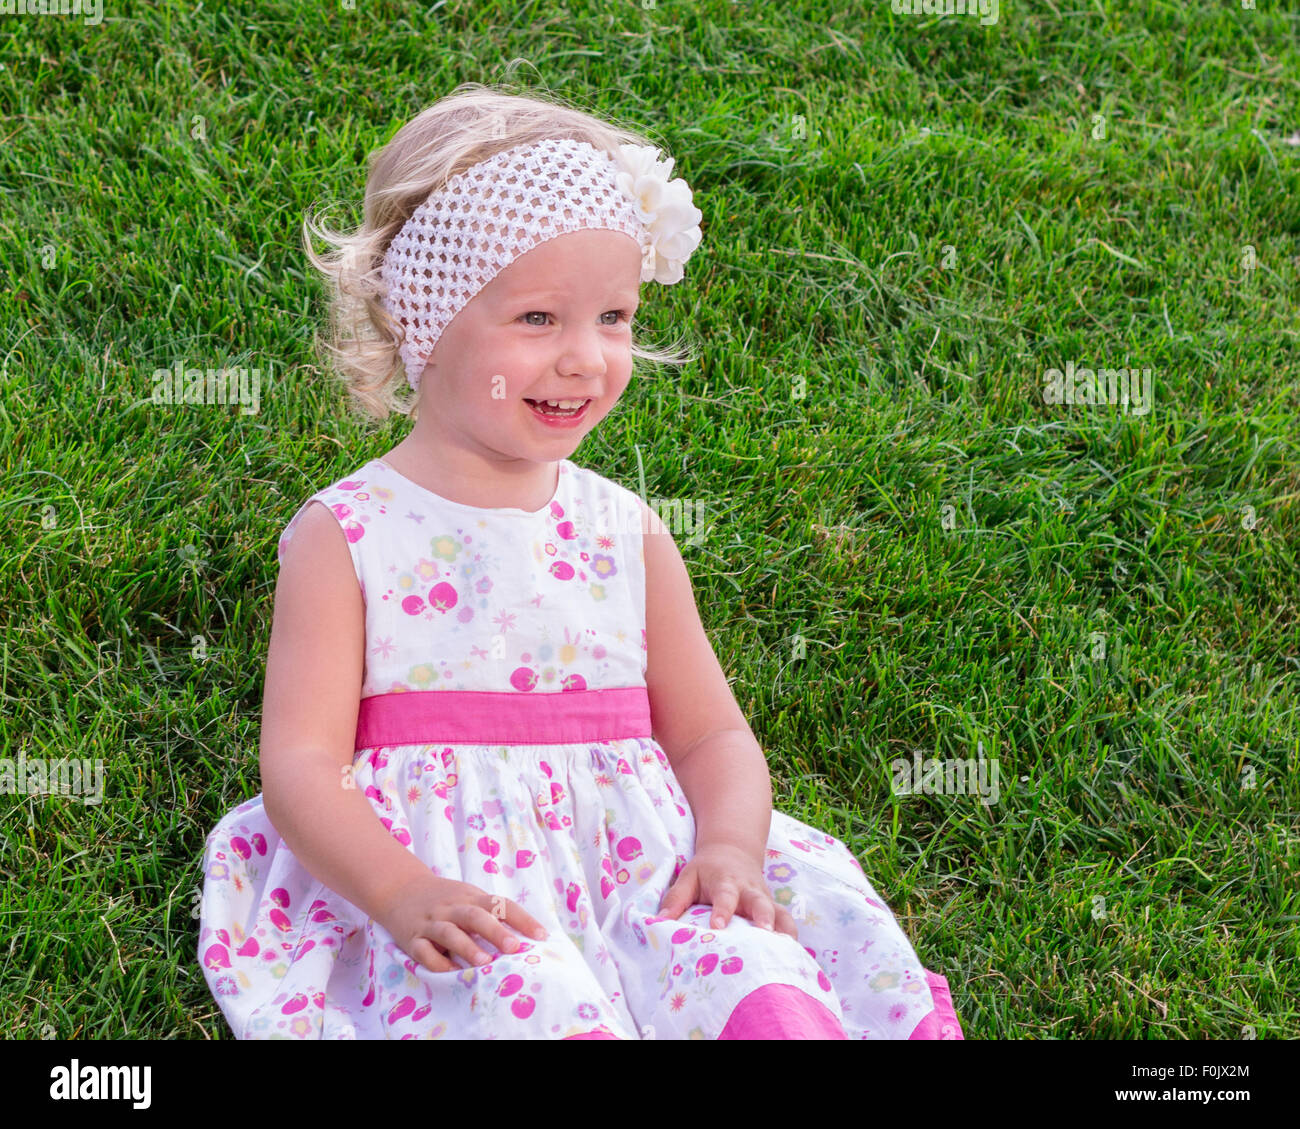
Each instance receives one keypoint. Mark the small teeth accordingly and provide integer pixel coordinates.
(564, 404)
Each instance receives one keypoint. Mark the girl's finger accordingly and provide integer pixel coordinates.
(514, 915)
(680, 895)
(423, 953)
(725, 898)
(491, 929)
(759, 908)
(452, 938)
(527, 923)
(785, 923)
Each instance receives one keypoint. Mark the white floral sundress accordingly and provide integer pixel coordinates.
(504, 737)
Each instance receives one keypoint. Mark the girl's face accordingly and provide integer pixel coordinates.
(553, 325)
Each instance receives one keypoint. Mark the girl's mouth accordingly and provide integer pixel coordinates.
(554, 416)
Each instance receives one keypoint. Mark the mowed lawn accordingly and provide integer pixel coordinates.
(910, 551)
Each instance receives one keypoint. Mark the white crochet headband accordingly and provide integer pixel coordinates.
(484, 218)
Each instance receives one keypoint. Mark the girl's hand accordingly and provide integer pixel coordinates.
(730, 880)
(432, 920)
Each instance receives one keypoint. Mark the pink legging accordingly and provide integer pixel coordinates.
(780, 1011)
(774, 1011)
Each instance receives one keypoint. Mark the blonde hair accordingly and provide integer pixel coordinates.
(469, 125)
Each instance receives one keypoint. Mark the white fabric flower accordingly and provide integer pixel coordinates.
(665, 207)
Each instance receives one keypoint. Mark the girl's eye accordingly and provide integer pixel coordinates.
(622, 315)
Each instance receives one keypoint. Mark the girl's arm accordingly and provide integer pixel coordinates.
(310, 704)
(694, 715)
(726, 781)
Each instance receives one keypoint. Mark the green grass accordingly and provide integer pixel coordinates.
(1124, 777)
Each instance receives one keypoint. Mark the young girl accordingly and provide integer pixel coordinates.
(507, 790)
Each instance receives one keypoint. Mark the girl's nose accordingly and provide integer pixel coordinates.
(582, 353)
